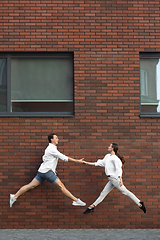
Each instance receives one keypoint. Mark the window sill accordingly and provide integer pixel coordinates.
(149, 115)
(38, 114)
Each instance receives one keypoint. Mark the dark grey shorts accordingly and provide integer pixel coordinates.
(50, 176)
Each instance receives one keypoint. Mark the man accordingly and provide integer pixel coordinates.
(47, 171)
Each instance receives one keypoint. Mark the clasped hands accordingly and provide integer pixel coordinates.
(81, 161)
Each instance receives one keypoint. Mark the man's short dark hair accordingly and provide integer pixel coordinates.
(50, 136)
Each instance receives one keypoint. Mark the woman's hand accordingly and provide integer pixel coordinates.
(89, 163)
(121, 182)
(84, 162)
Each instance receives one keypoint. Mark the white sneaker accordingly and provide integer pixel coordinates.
(12, 199)
(79, 203)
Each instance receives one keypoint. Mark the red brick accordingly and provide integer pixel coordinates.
(106, 37)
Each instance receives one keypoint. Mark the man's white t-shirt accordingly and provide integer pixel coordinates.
(50, 159)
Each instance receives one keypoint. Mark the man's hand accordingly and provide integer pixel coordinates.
(80, 160)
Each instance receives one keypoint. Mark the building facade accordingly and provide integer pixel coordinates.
(88, 71)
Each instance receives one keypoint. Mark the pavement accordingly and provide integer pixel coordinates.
(79, 234)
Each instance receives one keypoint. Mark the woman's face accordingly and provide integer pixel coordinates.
(110, 148)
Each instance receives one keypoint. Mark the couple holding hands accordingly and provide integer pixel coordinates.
(112, 163)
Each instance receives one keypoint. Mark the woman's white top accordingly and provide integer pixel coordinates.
(50, 159)
(112, 165)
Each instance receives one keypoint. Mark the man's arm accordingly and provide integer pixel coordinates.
(75, 160)
(63, 157)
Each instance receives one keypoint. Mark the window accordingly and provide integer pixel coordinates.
(144, 82)
(150, 84)
(36, 84)
(3, 84)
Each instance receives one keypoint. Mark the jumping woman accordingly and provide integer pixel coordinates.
(112, 163)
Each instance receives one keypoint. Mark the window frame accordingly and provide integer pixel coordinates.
(151, 55)
(31, 54)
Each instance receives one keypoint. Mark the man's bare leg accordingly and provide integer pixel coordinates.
(76, 201)
(64, 190)
(34, 183)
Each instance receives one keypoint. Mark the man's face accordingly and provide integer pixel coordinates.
(54, 140)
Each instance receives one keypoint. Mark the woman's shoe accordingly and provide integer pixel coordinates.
(142, 207)
(89, 210)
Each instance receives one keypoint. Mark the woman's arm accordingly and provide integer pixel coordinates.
(118, 167)
(89, 163)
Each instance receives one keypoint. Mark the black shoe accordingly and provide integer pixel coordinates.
(89, 210)
(142, 207)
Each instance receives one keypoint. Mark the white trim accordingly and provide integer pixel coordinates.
(149, 103)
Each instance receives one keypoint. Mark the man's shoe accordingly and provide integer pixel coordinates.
(11, 200)
(79, 203)
(142, 207)
(89, 210)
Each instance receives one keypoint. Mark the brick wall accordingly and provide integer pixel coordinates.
(106, 37)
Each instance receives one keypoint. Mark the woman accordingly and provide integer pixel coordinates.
(112, 163)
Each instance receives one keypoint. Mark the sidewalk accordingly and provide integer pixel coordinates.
(80, 234)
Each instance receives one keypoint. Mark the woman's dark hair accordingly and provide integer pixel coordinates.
(115, 148)
(50, 136)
